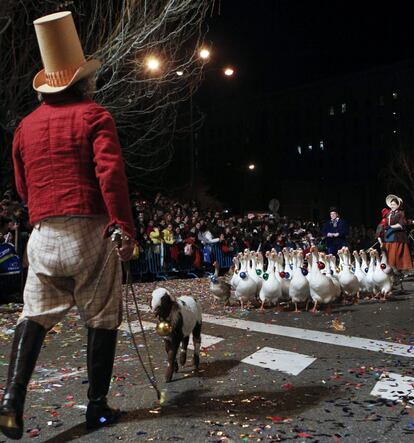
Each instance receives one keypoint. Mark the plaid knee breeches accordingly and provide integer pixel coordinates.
(71, 264)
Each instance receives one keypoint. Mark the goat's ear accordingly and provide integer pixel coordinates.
(166, 303)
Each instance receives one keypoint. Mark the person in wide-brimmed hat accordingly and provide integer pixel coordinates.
(395, 236)
(334, 231)
(70, 172)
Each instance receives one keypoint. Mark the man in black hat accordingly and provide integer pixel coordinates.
(334, 232)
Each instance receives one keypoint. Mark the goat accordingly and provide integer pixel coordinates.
(184, 315)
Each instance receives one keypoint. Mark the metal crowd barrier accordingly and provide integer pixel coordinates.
(156, 261)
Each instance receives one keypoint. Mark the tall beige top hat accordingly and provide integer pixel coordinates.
(391, 197)
(62, 55)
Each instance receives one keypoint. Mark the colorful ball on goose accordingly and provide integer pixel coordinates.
(287, 275)
(383, 266)
(304, 272)
(258, 271)
(321, 265)
(366, 270)
(265, 276)
(282, 274)
(163, 328)
(243, 275)
(338, 270)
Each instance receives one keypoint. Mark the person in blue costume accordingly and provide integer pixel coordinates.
(334, 231)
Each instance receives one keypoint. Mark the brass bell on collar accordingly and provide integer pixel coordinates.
(163, 328)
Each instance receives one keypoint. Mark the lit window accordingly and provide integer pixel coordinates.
(321, 145)
(331, 111)
(343, 108)
(299, 149)
(394, 95)
(310, 147)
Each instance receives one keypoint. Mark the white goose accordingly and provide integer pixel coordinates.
(327, 260)
(299, 291)
(361, 269)
(234, 281)
(370, 273)
(382, 279)
(246, 288)
(349, 283)
(286, 274)
(322, 289)
(271, 290)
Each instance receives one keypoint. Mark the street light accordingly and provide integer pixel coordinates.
(153, 63)
(251, 166)
(204, 53)
(228, 72)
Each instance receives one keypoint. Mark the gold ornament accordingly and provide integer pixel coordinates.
(163, 328)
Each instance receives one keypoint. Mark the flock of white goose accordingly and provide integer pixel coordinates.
(289, 276)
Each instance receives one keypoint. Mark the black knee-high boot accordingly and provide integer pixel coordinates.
(27, 342)
(100, 358)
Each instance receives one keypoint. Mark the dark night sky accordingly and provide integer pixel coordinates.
(281, 43)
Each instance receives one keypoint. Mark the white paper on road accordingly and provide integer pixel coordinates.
(279, 360)
(395, 387)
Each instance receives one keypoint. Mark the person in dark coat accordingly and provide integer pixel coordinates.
(334, 231)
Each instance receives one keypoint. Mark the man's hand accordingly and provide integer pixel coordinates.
(125, 251)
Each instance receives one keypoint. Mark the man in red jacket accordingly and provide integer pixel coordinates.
(69, 169)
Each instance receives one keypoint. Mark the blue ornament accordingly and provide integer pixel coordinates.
(366, 270)
(304, 272)
(243, 275)
(265, 276)
(353, 268)
(287, 275)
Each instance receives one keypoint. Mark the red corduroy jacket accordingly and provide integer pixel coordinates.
(67, 161)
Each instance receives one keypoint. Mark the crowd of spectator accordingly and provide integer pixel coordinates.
(189, 232)
(185, 234)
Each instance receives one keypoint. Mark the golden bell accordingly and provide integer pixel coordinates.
(163, 328)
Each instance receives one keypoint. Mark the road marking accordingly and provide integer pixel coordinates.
(347, 341)
(279, 360)
(136, 327)
(206, 340)
(394, 387)
(312, 335)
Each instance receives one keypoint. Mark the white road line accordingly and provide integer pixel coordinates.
(206, 340)
(317, 336)
(279, 360)
(394, 387)
(347, 341)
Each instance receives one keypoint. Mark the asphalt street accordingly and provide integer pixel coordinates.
(340, 376)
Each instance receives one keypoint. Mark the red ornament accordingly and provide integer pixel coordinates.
(321, 265)
(383, 266)
(282, 274)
